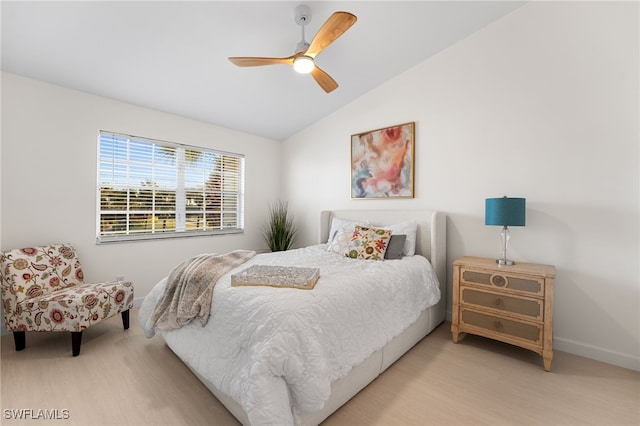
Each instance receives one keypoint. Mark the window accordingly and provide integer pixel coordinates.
(155, 189)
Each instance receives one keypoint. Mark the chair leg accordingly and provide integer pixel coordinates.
(20, 339)
(76, 340)
(125, 319)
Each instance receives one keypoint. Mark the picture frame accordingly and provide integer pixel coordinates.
(383, 162)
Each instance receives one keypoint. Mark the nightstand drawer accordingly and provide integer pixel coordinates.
(496, 324)
(526, 307)
(518, 283)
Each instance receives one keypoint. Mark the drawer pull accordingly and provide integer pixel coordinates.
(497, 325)
(499, 303)
(498, 280)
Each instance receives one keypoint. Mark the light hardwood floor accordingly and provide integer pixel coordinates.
(122, 378)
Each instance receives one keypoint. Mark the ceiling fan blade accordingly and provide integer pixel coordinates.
(334, 27)
(257, 61)
(325, 81)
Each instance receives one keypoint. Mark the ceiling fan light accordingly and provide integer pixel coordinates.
(303, 64)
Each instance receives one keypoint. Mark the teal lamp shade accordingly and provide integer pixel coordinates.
(505, 211)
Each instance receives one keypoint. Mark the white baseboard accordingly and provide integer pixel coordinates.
(599, 354)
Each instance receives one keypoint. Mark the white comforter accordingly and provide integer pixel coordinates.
(259, 341)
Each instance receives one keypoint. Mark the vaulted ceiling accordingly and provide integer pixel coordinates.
(172, 55)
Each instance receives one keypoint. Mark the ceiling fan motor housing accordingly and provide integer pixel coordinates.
(302, 46)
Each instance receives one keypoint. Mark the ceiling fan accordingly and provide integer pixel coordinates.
(303, 60)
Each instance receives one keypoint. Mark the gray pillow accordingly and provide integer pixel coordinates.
(395, 247)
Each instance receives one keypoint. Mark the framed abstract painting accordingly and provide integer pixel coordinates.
(382, 162)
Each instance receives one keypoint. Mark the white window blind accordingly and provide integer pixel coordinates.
(156, 189)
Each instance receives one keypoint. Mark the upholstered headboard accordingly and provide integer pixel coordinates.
(431, 240)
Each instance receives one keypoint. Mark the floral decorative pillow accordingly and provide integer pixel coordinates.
(368, 243)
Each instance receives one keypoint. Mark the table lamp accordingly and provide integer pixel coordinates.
(505, 212)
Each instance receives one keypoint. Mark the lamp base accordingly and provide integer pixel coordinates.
(507, 262)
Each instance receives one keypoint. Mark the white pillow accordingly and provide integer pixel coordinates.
(410, 229)
(340, 242)
(337, 224)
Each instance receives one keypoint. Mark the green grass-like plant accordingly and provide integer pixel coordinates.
(280, 230)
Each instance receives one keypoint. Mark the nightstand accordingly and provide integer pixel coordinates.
(510, 303)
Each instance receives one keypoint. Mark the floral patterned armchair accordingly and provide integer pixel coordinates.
(43, 290)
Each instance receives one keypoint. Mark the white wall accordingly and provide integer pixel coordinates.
(49, 146)
(542, 104)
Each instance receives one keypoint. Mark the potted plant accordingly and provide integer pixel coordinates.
(280, 230)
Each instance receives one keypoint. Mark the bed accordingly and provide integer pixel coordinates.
(306, 370)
